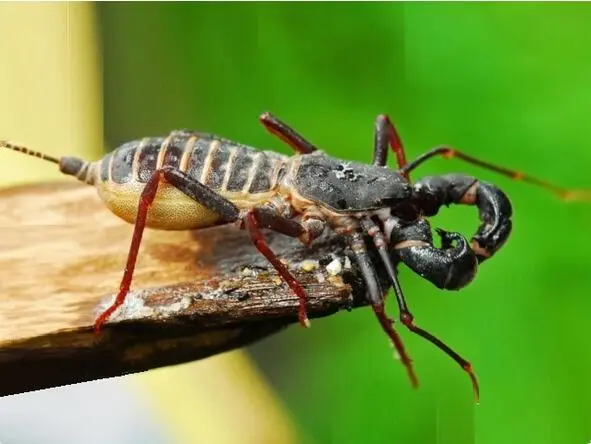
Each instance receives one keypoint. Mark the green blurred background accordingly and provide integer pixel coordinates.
(508, 82)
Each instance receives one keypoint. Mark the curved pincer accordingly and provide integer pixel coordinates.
(451, 267)
(494, 208)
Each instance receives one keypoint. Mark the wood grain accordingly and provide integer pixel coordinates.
(195, 294)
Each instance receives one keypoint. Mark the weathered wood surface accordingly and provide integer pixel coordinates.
(196, 293)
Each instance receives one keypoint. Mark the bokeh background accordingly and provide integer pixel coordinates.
(509, 82)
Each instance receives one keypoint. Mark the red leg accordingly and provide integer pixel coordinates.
(386, 134)
(261, 245)
(227, 211)
(450, 153)
(286, 134)
(379, 240)
(146, 200)
(407, 319)
(376, 299)
(386, 324)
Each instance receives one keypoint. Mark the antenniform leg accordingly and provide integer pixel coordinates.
(493, 205)
(204, 195)
(406, 316)
(265, 218)
(376, 298)
(385, 134)
(286, 133)
(449, 153)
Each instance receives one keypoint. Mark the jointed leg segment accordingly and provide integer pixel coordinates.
(287, 134)
(267, 217)
(192, 188)
(253, 219)
(228, 212)
(449, 153)
(376, 298)
(406, 316)
(385, 134)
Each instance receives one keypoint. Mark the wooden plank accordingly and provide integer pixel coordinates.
(195, 294)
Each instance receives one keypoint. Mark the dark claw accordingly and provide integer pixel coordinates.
(495, 212)
(447, 238)
(494, 208)
(450, 268)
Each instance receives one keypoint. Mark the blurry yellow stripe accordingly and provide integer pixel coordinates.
(50, 85)
(222, 400)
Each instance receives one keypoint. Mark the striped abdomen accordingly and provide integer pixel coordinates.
(243, 175)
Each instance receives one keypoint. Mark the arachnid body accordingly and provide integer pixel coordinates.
(191, 180)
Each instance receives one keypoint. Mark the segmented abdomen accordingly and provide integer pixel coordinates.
(225, 166)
